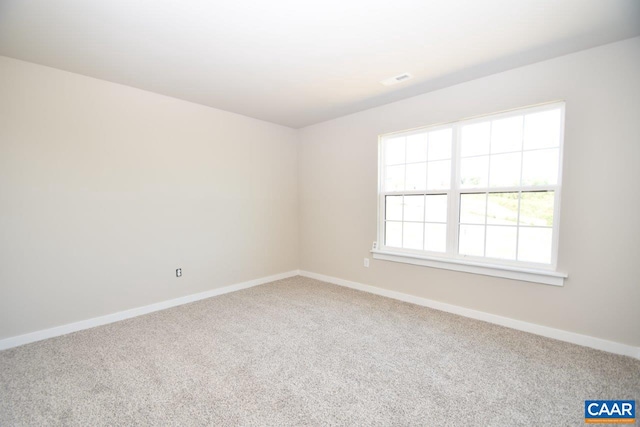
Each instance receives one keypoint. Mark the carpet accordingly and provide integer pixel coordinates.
(300, 352)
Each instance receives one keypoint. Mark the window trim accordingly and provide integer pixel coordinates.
(452, 260)
(547, 277)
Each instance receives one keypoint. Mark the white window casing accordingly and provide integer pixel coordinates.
(501, 175)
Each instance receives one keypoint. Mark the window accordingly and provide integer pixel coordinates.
(479, 195)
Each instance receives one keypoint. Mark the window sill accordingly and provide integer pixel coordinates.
(517, 273)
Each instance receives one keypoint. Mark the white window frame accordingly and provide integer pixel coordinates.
(452, 260)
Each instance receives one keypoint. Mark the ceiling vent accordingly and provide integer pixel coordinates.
(396, 79)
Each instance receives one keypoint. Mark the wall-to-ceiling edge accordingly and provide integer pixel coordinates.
(66, 253)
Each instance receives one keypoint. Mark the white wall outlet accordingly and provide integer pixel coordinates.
(366, 262)
(374, 246)
(178, 272)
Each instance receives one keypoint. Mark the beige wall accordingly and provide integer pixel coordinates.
(599, 229)
(105, 190)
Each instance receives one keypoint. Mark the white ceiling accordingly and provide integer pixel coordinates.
(299, 62)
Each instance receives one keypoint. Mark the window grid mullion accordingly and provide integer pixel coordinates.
(486, 204)
(454, 195)
(418, 193)
(426, 187)
(424, 222)
(520, 192)
(455, 191)
(404, 184)
(528, 189)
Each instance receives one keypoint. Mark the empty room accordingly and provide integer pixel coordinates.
(312, 213)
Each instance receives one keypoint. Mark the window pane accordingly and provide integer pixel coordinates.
(502, 208)
(501, 242)
(473, 208)
(534, 245)
(393, 234)
(471, 240)
(505, 170)
(394, 150)
(506, 135)
(474, 172)
(440, 144)
(412, 235)
(417, 148)
(394, 178)
(475, 139)
(393, 208)
(416, 176)
(542, 130)
(414, 208)
(536, 208)
(435, 237)
(436, 208)
(540, 167)
(439, 175)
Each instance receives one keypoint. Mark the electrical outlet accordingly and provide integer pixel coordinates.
(178, 272)
(366, 262)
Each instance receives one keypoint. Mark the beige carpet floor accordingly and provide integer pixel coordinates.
(299, 352)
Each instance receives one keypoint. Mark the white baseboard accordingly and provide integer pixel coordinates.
(558, 334)
(134, 312)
